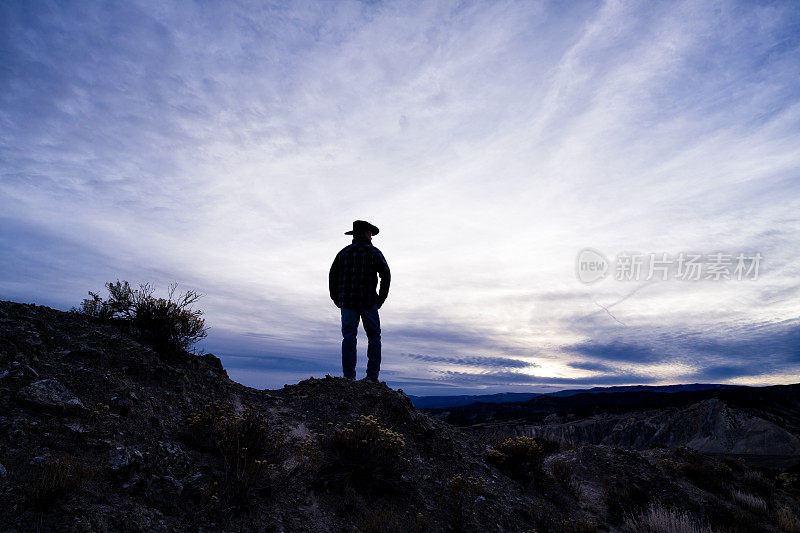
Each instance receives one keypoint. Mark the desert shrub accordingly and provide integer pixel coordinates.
(562, 472)
(250, 449)
(757, 483)
(95, 307)
(205, 496)
(578, 525)
(550, 520)
(57, 477)
(755, 477)
(624, 495)
(248, 446)
(460, 497)
(707, 474)
(548, 446)
(165, 323)
(465, 488)
(687, 455)
(310, 453)
(203, 424)
(364, 454)
(391, 518)
(751, 501)
(520, 456)
(706, 477)
(736, 464)
(660, 519)
(787, 520)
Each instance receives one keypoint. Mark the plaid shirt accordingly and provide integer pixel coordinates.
(354, 276)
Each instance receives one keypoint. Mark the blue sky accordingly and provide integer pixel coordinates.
(227, 146)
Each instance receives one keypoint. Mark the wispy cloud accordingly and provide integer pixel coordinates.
(228, 145)
(479, 361)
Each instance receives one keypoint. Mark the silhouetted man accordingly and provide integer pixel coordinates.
(352, 281)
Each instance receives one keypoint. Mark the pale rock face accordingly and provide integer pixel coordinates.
(51, 395)
(709, 426)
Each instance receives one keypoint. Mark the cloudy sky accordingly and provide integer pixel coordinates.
(227, 146)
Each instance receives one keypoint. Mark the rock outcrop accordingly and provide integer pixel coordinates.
(49, 394)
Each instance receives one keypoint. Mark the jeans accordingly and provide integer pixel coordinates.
(372, 325)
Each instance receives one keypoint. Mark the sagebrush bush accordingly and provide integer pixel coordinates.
(709, 475)
(250, 450)
(460, 497)
(563, 473)
(247, 444)
(365, 454)
(165, 323)
(57, 477)
(625, 495)
(520, 456)
(203, 424)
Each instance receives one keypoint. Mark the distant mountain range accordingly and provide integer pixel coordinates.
(715, 419)
(440, 402)
(437, 402)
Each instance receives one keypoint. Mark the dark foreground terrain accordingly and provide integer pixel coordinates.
(100, 433)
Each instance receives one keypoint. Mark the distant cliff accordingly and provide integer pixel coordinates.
(758, 421)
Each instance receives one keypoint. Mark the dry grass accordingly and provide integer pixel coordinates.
(751, 476)
(787, 520)
(751, 501)
(392, 519)
(57, 477)
(660, 519)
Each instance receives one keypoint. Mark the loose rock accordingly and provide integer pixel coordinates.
(51, 395)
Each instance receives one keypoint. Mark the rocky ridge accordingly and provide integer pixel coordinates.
(98, 432)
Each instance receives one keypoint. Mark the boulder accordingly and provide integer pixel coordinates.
(51, 395)
(120, 459)
(76, 428)
(85, 352)
(164, 491)
(122, 404)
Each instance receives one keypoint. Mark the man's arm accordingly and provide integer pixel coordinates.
(333, 280)
(386, 277)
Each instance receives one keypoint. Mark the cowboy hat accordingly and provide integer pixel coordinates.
(360, 226)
